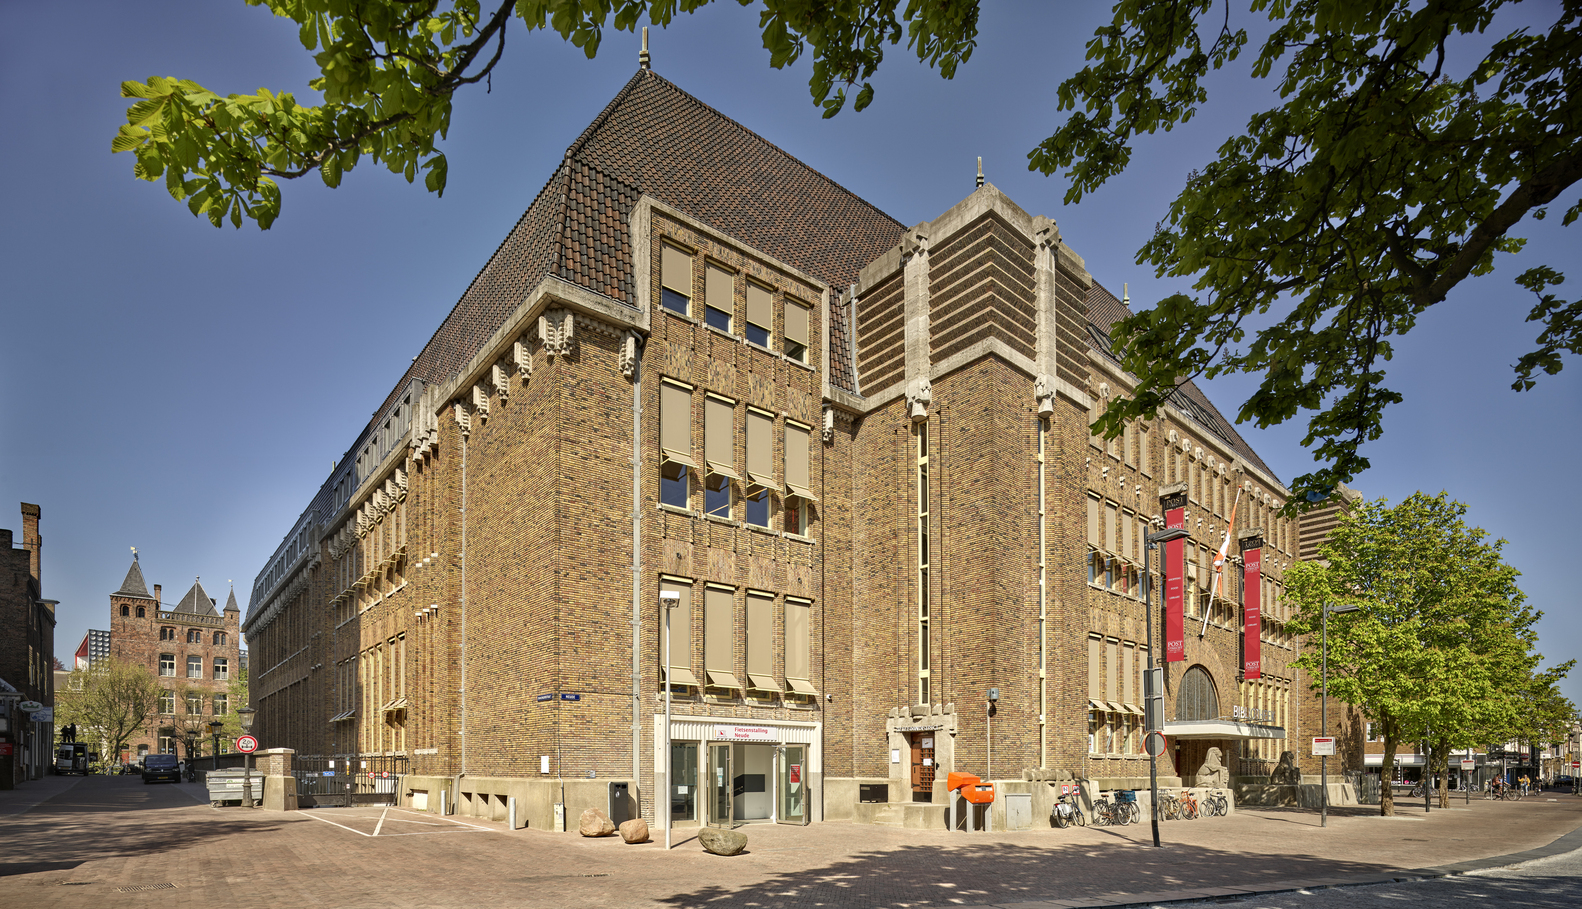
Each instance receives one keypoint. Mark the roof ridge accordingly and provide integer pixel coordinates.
(609, 109)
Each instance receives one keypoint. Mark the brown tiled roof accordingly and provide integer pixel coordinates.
(655, 138)
(1103, 312)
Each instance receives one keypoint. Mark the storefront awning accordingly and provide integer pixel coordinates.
(1222, 729)
(1401, 760)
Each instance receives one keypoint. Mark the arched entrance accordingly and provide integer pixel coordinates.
(1197, 698)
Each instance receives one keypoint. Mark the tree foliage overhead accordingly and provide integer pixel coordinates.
(1382, 180)
(1442, 646)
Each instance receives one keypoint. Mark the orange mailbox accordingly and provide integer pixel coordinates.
(968, 783)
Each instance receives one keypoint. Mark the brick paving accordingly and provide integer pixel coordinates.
(88, 842)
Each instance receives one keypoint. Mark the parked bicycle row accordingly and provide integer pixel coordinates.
(1119, 808)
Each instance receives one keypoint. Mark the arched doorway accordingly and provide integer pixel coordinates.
(1197, 698)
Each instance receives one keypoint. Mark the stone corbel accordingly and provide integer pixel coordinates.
(919, 394)
(458, 409)
(1045, 231)
(401, 483)
(555, 330)
(828, 432)
(500, 377)
(628, 356)
(1044, 394)
(480, 401)
(522, 357)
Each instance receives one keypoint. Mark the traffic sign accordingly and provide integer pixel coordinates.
(1155, 744)
(1323, 745)
(247, 744)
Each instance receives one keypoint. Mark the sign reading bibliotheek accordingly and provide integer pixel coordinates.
(1323, 746)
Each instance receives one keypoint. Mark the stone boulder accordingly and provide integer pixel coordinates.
(596, 823)
(722, 842)
(634, 831)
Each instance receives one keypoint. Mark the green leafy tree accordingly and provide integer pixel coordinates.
(1441, 631)
(112, 701)
(236, 699)
(1378, 184)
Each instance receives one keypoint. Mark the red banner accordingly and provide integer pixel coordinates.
(1252, 608)
(1175, 580)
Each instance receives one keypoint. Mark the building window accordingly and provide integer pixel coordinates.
(167, 634)
(195, 704)
(719, 636)
(219, 639)
(799, 485)
(222, 704)
(719, 455)
(222, 668)
(679, 644)
(167, 664)
(761, 642)
(923, 528)
(718, 303)
(799, 646)
(796, 337)
(140, 613)
(760, 314)
(167, 743)
(167, 702)
(194, 667)
(125, 610)
(1095, 731)
(760, 465)
(194, 636)
(675, 443)
(675, 269)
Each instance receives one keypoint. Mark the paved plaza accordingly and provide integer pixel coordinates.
(98, 841)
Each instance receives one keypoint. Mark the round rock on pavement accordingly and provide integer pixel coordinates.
(634, 831)
(596, 823)
(722, 842)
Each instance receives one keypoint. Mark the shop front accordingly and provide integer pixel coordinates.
(725, 773)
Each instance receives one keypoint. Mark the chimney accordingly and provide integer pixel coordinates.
(31, 541)
(156, 597)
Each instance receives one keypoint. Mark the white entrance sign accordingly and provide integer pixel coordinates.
(1323, 746)
(724, 733)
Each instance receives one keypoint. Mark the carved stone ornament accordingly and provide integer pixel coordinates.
(463, 417)
(919, 394)
(828, 432)
(555, 330)
(500, 376)
(1213, 773)
(628, 356)
(1044, 394)
(1045, 231)
(522, 357)
(480, 401)
(914, 242)
(1104, 389)
(1174, 437)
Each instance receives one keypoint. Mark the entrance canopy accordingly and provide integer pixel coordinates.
(1222, 729)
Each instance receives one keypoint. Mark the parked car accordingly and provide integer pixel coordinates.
(161, 767)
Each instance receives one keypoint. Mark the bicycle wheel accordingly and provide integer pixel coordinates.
(1221, 805)
(1059, 817)
(1078, 816)
(1123, 814)
(1136, 813)
(1191, 810)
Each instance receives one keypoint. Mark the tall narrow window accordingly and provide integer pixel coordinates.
(799, 491)
(1144, 460)
(675, 443)
(679, 643)
(799, 616)
(719, 636)
(719, 455)
(718, 297)
(1095, 542)
(760, 314)
(675, 270)
(761, 642)
(796, 339)
(167, 701)
(167, 664)
(922, 564)
(222, 668)
(760, 465)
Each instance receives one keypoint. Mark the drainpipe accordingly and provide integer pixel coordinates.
(463, 608)
(637, 570)
(1043, 599)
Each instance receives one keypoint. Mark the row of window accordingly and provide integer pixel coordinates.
(720, 641)
(167, 703)
(167, 667)
(719, 472)
(194, 635)
(717, 308)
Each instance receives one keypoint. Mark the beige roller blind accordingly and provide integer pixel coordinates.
(719, 287)
(1095, 660)
(760, 306)
(719, 431)
(1093, 521)
(676, 270)
(760, 449)
(1111, 668)
(761, 642)
(719, 636)
(799, 615)
(798, 441)
(1129, 687)
(1145, 462)
(1109, 528)
(1128, 524)
(675, 423)
(796, 322)
(680, 633)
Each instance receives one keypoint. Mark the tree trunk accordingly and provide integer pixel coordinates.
(1387, 773)
(1440, 758)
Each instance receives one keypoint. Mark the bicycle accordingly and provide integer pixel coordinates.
(1107, 813)
(1068, 810)
(1215, 805)
(1417, 791)
(1169, 808)
(1189, 805)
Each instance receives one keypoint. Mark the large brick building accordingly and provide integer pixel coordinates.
(192, 649)
(27, 655)
(855, 454)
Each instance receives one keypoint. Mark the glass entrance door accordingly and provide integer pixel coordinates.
(792, 776)
(721, 803)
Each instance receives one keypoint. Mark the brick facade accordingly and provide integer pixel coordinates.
(27, 653)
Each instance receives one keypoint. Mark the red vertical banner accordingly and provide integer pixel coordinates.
(1174, 506)
(1252, 608)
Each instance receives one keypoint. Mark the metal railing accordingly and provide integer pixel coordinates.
(343, 781)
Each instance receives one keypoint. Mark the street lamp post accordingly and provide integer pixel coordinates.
(246, 715)
(1323, 712)
(668, 600)
(215, 726)
(1152, 717)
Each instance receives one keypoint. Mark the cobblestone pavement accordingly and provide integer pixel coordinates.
(100, 841)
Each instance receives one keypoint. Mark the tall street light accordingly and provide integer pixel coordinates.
(1323, 712)
(246, 715)
(1153, 714)
(668, 600)
(215, 725)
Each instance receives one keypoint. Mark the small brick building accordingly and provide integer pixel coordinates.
(27, 655)
(853, 455)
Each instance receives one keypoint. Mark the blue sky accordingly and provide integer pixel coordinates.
(185, 390)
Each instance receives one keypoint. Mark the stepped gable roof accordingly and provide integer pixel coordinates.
(134, 586)
(656, 139)
(196, 602)
(1103, 312)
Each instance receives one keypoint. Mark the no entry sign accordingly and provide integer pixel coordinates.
(247, 744)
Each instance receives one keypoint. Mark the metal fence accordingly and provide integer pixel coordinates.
(343, 781)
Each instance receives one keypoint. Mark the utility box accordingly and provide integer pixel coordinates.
(873, 793)
(1019, 811)
(620, 794)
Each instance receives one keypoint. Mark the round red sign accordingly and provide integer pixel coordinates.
(247, 744)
